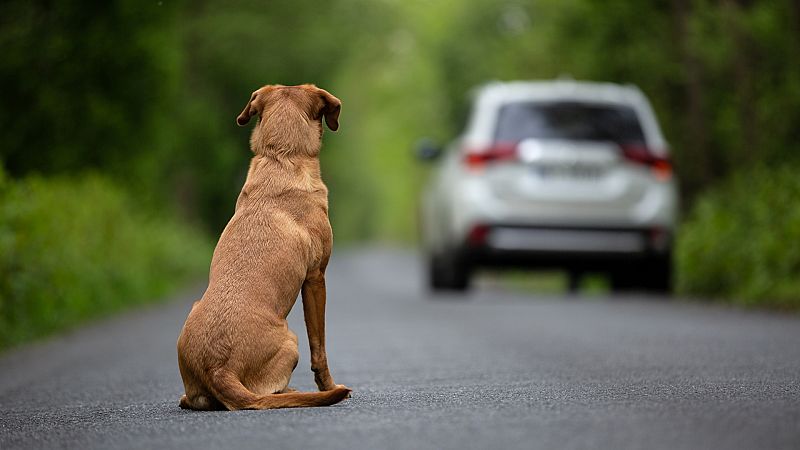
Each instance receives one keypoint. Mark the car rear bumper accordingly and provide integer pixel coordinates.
(597, 248)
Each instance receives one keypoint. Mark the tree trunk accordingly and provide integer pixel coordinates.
(696, 161)
(748, 151)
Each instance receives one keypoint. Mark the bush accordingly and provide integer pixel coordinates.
(74, 249)
(742, 241)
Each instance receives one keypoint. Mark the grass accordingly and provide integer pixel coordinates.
(548, 281)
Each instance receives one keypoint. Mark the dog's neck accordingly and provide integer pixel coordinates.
(271, 176)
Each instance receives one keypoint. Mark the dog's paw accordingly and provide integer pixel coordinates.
(349, 391)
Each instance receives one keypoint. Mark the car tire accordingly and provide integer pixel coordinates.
(653, 275)
(448, 272)
(658, 276)
(623, 280)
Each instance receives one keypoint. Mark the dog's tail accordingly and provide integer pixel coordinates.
(230, 391)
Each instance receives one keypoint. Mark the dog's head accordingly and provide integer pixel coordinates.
(290, 117)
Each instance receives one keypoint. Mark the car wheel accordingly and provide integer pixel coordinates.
(448, 273)
(654, 275)
(622, 280)
(659, 275)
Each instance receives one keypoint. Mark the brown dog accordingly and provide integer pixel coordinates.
(235, 350)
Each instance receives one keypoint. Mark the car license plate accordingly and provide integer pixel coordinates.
(582, 172)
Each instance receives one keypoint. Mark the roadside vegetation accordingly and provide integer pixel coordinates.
(145, 95)
(741, 242)
(73, 249)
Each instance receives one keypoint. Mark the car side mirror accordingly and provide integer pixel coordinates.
(427, 150)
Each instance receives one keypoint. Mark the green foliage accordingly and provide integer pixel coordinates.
(77, 248)
(84, 89)
(742, 240)
(147, 93)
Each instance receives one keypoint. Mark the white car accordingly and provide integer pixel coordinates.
(562, 174)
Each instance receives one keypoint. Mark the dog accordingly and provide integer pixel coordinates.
(235, 350)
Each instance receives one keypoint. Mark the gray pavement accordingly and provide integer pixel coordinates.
(497, 369)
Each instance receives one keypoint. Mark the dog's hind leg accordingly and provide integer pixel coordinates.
(296, 355)
(277, 370)
(287, 359)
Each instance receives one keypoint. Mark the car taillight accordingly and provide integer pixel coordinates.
(659, 238)
(660, 166)
(477, 235)
(477, 158)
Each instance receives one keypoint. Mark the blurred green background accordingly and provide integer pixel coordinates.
(121, 161)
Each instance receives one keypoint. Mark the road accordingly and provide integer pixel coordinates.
(497, 369)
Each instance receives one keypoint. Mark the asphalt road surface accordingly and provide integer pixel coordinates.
(497, 369)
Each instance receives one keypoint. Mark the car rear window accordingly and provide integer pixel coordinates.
(568, 120)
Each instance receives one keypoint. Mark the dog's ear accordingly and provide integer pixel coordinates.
(331, 106)
(248, 112)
